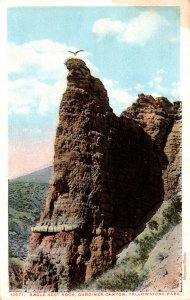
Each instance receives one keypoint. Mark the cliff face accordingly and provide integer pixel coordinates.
(162, 121)
(107, 182)
(172, 174)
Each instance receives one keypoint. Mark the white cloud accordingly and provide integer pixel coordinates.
(156, 82)
(106, 26)
(119, 98)
(160, 88)
(175, 90)
(39, 65)
(45, 57)
(26, 95)
(139, 87)
(161, 72)
(137, 30)
(158, 79)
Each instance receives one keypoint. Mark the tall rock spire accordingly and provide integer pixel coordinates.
(107, 182)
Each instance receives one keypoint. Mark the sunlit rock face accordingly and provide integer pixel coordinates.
(107, 182)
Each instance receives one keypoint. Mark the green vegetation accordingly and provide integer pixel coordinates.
(161, 256)
(172, 213)
(153, 225)
(15, 272)
(146, 244)
(171, 216)
(25, 202)
(128, 273)
(123, 280)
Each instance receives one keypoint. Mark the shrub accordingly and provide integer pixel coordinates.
(161, 256)
(131, 280)
(145, 245)
(136, 241)
(164, 229)
(153, 225)
(172, 214)
(135, 260)
(123, 281)
(129, 261)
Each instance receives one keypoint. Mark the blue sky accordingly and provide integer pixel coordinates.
(131, 49)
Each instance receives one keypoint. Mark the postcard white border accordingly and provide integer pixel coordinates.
(185, 97)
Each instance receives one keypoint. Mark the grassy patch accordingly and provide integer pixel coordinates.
(123, 281)
(25, 203)
(128, 274)
(172, 214)
(158, 227)
(153, 225)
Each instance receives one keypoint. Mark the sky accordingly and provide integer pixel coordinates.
(131, 49)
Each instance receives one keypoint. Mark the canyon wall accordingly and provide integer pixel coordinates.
(108, 180)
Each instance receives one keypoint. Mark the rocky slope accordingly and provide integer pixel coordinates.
(107, 182)
(164, 274)
(25, 202)
(22, 213)
(16, 265)
(147, 264)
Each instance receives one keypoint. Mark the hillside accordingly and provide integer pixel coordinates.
(25, 203)
(39, 176)
(147, 264)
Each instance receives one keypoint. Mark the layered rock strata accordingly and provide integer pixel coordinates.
(161, 119)
(107, 182)
(173, 150)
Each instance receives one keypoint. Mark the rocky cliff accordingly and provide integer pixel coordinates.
(107, 182)
(161, 119)
(173, 151)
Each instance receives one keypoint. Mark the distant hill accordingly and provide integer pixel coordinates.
(26, 195)
(40, 176)
(25, 203)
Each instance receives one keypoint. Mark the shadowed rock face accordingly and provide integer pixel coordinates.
(173, 147)
(162, 121)
(107, 182)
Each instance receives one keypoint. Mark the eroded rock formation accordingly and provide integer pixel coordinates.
(173, 149)
(161, 119)
(107, 182)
